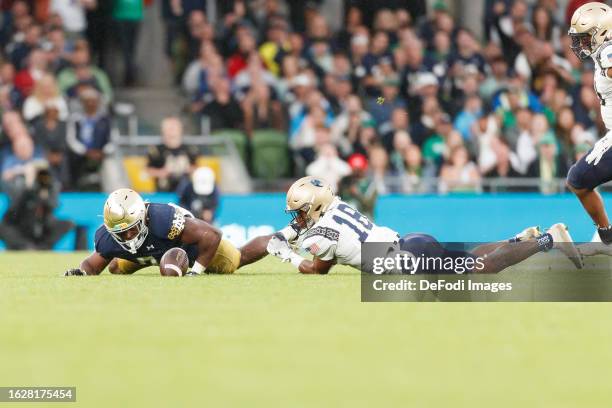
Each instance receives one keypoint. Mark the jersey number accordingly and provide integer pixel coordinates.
(357, 222)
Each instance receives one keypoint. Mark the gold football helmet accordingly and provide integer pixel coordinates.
(125, 214)
(591, 26)
(307, 200)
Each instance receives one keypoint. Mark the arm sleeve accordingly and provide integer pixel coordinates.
(101, 244)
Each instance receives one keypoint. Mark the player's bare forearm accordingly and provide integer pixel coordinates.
(94, 264)
(315, 267)
(205, 236)
(254, 250)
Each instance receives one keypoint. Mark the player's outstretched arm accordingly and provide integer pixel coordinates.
(279, 247)
(207, 239)
(94, 264)
(315, 267)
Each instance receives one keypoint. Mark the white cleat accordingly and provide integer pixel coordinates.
(563, 241)
(528, 233)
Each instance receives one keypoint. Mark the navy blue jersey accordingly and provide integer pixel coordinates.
(165, 223)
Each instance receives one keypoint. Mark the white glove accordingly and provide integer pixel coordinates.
(600, 148)
(279, 247)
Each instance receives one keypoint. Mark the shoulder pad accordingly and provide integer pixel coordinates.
(605, 56)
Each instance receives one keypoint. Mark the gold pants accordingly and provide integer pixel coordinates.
(124, 267)
(226, 259)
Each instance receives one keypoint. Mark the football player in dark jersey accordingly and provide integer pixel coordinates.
(136, 234)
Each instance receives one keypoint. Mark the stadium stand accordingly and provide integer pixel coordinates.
(436, 101)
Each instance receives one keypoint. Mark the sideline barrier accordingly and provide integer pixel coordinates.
(449, 218)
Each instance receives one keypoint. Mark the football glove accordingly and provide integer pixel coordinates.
(600, 148)
(74, 272)
(279, 247)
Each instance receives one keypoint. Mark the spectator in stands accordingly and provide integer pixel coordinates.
(45, 94)
(276, 44)
(128, 14)
(49, 133)
(465, 119)
(196, 78)
(36, 68)
(549, 166)
(88, 138)
(379, 164)
(199, 194)
(401, 141)
(255, 89)
(400, 122)
(20, 50)
(381, 109)
(171, 161)
(224, 112)
(312, 132)
(413, 170)
(328, 165)
(436, 147)
(12, 98)
(82, 74)
(497, 80)
(459, 173)
(247, 47)
(20, 163)
(545, 27)
(198, 32)
(59, 52)
(72, 14)
(345, 129)
(357, 188)
(502, 166)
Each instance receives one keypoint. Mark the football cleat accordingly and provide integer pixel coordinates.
(527, 234)
(564, 242)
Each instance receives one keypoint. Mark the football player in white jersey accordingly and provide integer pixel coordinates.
(332, 231)
(591, 34)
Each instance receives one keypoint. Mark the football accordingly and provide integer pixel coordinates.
(174, 263)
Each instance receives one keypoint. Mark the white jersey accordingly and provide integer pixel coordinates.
(603, 84)
(339, 233)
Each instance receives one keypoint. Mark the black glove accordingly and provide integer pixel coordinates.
(74, 272)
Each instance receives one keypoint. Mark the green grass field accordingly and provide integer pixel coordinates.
(270, 337)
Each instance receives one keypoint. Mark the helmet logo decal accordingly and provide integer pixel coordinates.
(316, 183)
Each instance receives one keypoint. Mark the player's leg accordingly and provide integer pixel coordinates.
(228, 258)
(525, 235)
(582, 179)
(511, 253)
(118, 266)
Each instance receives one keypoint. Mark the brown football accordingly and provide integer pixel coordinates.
(174, 262)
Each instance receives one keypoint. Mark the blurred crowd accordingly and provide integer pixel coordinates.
(55, 106)
(400, 93)
(414, 93)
